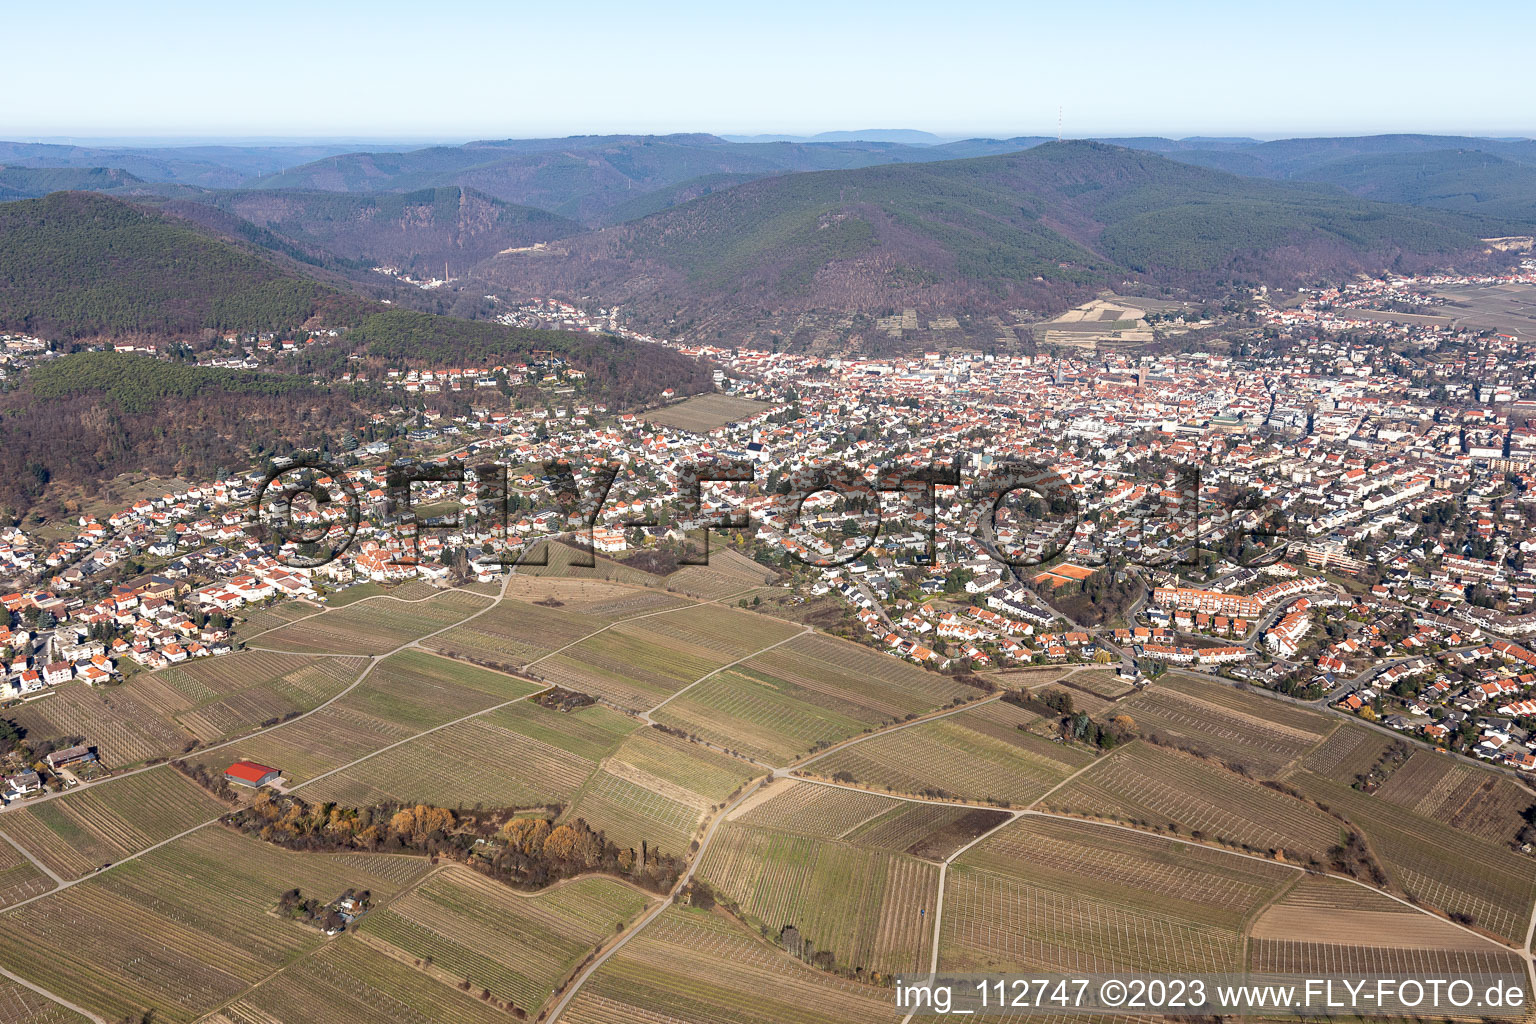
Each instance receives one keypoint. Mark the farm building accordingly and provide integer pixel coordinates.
(249, 773)
(69, 755)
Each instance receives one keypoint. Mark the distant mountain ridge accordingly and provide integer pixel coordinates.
(1030, 227)
(580, 178)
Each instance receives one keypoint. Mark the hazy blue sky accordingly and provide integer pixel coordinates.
(489, 70)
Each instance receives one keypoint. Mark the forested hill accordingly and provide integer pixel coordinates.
(78, 264)
(627, 373)
(75, 265)
(28, 182)
(420, 232)
(82, 419)
(1022, 228)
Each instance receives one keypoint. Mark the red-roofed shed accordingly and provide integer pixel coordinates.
(249, 773)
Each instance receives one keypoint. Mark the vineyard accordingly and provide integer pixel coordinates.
(811, 692)
(632, 666)
(221, 697)
(638, 664)
(76, 833)
(818, 812)
(995, 922)
(728, 573)
(631, 814)
(258, 620)
(1102, 682)
(863, 905)
(1451, 870)
(761, 716)
(1320, 912)
(1467, 798)
(404, 695)
(124, 729)
(516, 632)
(373, 626)
(1261, 734)
(562, 556)
(703, 413)
(20, 1005)
(179, 930)
(462, 925)
(1164, 789)
(19, 880)
(1071, 897)
(350, 983)
(520, 756)
(1315, 959)
(465, 765)
(591, 733)
(1132, 869)
(836, 674)
(1348, 752)
(690, 965)
(423, 690)
(693, 773)
(977, 754)
(906, 827)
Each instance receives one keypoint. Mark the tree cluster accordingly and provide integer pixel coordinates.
(524, 851)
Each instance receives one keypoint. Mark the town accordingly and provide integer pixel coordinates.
(1396, 451)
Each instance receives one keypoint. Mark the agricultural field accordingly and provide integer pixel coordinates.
(805, 694)
(1264, 735)
(978, 754)
(694, 965)
(216, 698)
(1072, 896)
(1448, 869)
(462, 925)
(670, 764)
(20, 1005)
(1348, 753)
(656, 788)
(374, 626)
(703, 413)
(817, 812)
(561, 559)
(637, 664)
(863, 905)
(1326, 925)
(1463, 796)
(761, 716)
(405, 695)
(729, 573)
(1158, 788)
(631, 814)
(181, 929)
(523, 755)
(77, 833)
(349, 982)
(124, 728)
(913, 828)
(258, 620)
(1102, 682)
(19, 879)
(520, 629)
